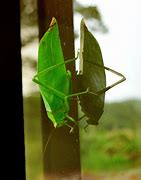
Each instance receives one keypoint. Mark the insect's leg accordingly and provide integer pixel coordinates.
(52, 90)
(116, 83)
(77, 94)
(71, 127)
(85, 126)
(76, 123)
(72, 95)
(82, 117)
(54, 67)
(112, 85)
(35, 78)
(71, 119)
(123, 78)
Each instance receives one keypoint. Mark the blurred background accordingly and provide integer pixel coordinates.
(114, 146)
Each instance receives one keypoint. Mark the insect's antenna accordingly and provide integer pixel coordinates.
(52, 132)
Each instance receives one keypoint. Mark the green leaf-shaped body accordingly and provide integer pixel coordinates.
(92, 76)
(58, 79)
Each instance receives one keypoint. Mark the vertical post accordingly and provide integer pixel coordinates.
(62, 157)
(11, 101)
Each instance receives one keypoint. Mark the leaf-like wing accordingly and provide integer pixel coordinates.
(50, 54)
(92, 76)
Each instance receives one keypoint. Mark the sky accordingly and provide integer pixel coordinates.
(121, 46)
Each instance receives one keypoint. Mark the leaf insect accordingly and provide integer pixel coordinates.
(53, 79)
(92, 75)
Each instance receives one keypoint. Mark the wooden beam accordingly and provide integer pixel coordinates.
(62, 157)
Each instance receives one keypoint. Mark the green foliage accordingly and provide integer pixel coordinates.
(102, 148)
(115, 150)
(115, 144)
(120, 115)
